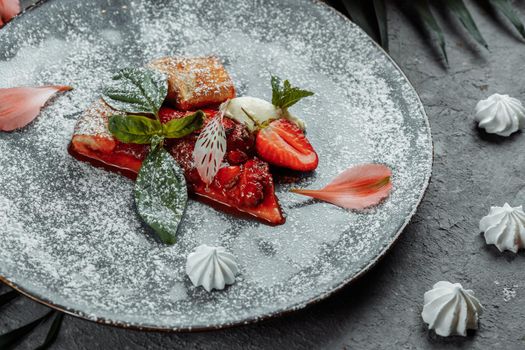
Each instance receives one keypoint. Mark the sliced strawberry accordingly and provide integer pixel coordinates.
(283, 144)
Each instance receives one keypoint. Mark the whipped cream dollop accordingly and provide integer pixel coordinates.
(211, 267)
(450, 309)
(253, 111)
(504, 227)
(500, 114)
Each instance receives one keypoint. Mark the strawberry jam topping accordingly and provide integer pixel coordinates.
(240, 142)
(242, 184)
(242, 181)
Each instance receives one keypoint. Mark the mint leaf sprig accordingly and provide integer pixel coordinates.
(161, 194)
(160, 190)
(136, 91)
(284, 95)
(141, 90)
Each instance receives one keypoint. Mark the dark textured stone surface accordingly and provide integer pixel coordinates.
(472, 171)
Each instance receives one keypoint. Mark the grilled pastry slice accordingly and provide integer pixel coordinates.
(92, 141)
(195, 82)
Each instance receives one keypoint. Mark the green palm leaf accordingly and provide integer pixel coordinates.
(429, 21)
(371, 16)
(7, 297)
(10, 339)
(53, 332)
(462, 13)
(362, 13)
(508, 11)
(380, 10)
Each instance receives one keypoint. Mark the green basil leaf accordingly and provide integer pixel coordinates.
(136, 90)
(134, 128)
(161, 194)
(284, 95)
(184, 126)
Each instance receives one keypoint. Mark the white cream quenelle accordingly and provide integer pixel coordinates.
(211, 267)
(253, 111)
(500, 114)
(451, 310)
(504, 227)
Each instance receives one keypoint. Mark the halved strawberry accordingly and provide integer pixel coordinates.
(282, 143)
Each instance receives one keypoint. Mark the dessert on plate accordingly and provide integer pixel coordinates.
(234, 172)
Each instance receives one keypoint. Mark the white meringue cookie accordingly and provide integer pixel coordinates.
(504, 227)
(451, 310)
(500, 114)
(211, 267)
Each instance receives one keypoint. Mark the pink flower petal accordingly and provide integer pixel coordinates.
(19, 106)
(357, 187)
(8, 10)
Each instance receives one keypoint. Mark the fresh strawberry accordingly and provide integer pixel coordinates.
(283, 144)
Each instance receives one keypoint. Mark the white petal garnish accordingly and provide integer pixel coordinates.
(210, 148)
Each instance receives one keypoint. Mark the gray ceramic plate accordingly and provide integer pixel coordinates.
(69, 235)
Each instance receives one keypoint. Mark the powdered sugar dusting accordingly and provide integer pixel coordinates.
(69, 232)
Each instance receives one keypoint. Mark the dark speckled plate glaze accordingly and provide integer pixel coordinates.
(69, 235)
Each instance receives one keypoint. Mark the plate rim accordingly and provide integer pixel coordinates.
(291, 308)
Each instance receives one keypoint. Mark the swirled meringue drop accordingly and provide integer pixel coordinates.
(504, 227)
(211, 267)
(500, 114)
(451, 310)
